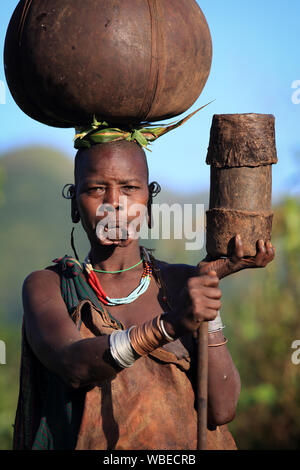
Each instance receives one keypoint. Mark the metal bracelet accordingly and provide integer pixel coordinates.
(162, 326)
(216, 324)
(121, 349)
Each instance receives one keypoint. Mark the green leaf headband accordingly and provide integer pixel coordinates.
(102, 132)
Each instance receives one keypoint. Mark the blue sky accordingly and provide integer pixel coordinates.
(256, 46)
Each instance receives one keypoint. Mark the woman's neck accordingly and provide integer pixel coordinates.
(115, 258)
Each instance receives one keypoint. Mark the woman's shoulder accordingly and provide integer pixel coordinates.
(50, 275)
(43, 278)
(186, 270)
(55, 270)
(176, 273)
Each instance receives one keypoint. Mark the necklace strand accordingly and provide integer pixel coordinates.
(135, 294)
(121, 270)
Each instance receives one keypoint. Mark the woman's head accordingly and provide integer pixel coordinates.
(111, 192)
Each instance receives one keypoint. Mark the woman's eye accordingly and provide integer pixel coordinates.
(94, 189)
(130, 188)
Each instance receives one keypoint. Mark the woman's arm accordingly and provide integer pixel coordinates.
(224, 383)
(200, 300)
(54, 338)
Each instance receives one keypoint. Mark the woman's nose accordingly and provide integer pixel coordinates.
(113, 198)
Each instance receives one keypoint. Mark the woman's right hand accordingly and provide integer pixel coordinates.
(200, 300)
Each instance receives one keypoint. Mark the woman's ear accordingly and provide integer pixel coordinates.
(74, 211)
(149, 209)
(69, 192)
(154, 188)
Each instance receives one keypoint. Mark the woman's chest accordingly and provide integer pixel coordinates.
(149, 305)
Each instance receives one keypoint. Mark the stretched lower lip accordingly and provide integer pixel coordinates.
(106, 229)
(116, 233)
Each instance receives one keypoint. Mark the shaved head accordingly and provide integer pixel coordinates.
(122, 150)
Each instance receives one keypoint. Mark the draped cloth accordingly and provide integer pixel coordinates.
(149, 406)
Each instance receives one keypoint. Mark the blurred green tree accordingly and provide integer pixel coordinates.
(9, 382)
(9, 372)
(262, 311)
(2, 176)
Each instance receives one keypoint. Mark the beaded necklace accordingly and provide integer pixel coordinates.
(135, 294)
(117, 272)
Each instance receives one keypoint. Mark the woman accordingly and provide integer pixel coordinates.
(108, 353)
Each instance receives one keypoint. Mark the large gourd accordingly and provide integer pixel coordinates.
(125, 61)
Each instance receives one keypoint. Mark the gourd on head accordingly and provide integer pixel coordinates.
(125, 61)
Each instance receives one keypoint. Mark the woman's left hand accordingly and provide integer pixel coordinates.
(226, 266)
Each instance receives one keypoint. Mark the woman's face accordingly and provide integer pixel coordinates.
(112, 192)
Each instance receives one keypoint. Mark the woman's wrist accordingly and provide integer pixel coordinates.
(216, 324)
(216, 337)
(215, 332)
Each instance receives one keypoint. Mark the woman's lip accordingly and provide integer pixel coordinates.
(113, 227)
(116, 233)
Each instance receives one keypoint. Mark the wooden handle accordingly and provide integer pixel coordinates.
(202, 382)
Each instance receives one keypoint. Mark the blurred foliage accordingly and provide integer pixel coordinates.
(2, 176)
(35, 219)
(9, 382)
(260, 307)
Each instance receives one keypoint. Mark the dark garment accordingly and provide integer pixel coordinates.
(49, 413)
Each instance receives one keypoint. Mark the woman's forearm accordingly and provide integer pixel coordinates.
(87, 362)
(223, 382)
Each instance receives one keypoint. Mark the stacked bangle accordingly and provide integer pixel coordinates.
(168, 337)
(127, 346)
(148, 337)
(121, 349)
